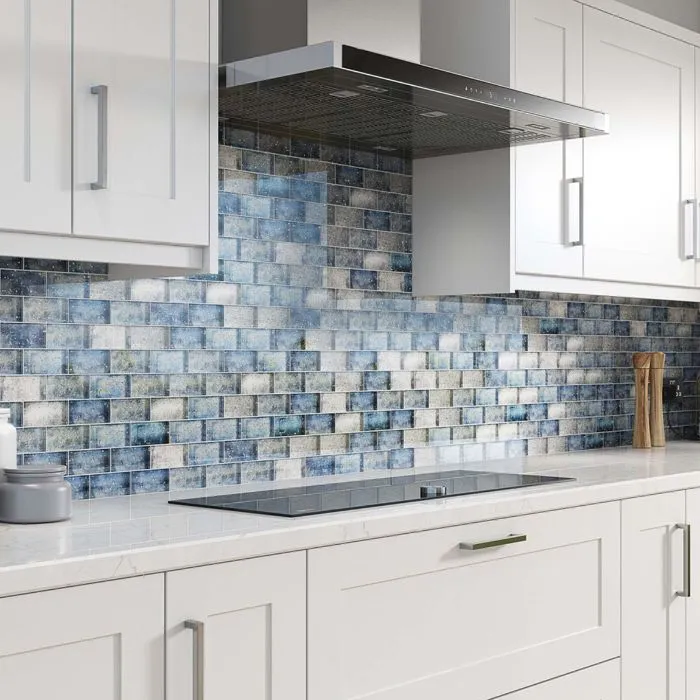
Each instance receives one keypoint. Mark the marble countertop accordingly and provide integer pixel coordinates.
(127, 536)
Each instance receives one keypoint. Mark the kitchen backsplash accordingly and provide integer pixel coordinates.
(307, 355)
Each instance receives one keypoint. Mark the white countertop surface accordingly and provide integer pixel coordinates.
(127, 536)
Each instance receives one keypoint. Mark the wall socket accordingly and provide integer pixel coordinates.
(672, 392)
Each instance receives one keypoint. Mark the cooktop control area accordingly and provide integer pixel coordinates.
(349, 495)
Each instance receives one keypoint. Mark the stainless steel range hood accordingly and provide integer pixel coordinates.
(338, 93)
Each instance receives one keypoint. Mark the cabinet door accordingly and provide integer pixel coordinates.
(149, 154)
(639, 177)
(246, 622)
(97, 642)
(693, 603)
(423, 617)
(653, 615)
(549, 62)
(35, 79)
(597, 683)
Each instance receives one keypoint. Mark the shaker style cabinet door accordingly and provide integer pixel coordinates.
(475, 611)
(98, 642)
(35, 137)
(548, 177)
(692, 505)
(238, 630)
(142, 98)
(640, 180)
(653, 612)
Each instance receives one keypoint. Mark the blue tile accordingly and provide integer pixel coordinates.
(364, 279)
(22, 283)
(401, 459)
(377, 220)
(319, 424)
(319, 466)
(378, 420)
(362, 361)
(240, 361)
(130, 458)
(88, 311)
(94, 411)
(209, 315)
(361, 401)
(308, 234)
(287, 426)
(271, 186)
(289, 210)
(377, 381)
(168, 314)
(80, 487)
(150, 481)
(199, 408)
(241, 450)
(153, 433)
(187, 338)
(229, 203)
(304, 403)
(517, 413)
(108, 485)
(22, 335)
(88, 362)
(304, 361)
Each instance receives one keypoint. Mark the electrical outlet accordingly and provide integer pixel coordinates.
(672, 392)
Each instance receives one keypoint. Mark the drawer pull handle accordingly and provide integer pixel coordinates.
(198, 658)
(491, 544)
(687, 553)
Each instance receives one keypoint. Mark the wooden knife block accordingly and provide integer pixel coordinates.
(648, 389)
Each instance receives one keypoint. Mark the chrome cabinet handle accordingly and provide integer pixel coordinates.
(689, 222)
(198, 658)
(490, 544)
(685, 593)
(574, 211)
(102, 92)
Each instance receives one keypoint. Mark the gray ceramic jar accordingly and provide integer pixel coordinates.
(35, 495)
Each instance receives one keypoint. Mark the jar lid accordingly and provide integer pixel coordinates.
(37, 472)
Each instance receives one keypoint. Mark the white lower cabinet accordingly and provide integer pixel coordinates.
(238, 630)
(473, 611)
(653, 612)
(600, 682)
(97, 642)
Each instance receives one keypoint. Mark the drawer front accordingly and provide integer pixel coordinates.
(598, 683)
(423, 616)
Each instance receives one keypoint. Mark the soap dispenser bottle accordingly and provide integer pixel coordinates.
(8, 441)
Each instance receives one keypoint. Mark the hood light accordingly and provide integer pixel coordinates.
(541, 127)
(384, 148)
(512, 131)
(342, 94)
(434, 115)
(372, 88)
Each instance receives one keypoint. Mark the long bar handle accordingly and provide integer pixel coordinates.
(574, 211)
(198, 658)
(102, 92)
(687, 563)
(491, 544)
(689, 222)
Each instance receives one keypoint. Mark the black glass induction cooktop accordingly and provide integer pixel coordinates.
(349, 495)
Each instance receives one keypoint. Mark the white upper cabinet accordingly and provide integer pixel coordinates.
(637, 227)
(548, 177)
(108, 150)
(35, 79)
(142, 165)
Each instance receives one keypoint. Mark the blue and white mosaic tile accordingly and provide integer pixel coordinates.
(307, 354)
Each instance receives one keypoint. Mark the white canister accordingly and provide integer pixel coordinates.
(8, 441)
